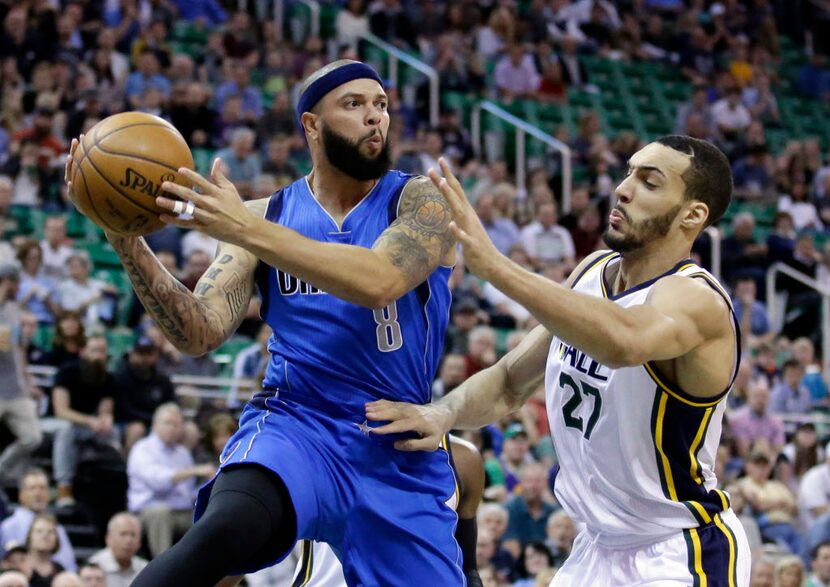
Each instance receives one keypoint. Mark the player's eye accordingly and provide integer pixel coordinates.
(352, 103)
(383, 105)
(650, 185)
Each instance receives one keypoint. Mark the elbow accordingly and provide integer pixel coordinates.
(381, 294)
(622, 352)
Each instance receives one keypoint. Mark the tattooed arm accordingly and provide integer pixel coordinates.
(402, 257)
(195, 322)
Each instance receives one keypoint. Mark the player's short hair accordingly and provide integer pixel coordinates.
(325, 70)
(709, 176)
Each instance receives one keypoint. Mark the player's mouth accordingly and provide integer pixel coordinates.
(375, 140)
(615, 218)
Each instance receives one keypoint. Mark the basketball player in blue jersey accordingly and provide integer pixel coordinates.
(319, 567)
(637, 354)
(352, 264)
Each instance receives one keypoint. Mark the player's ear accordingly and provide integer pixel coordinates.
(696, 215)
(311, 124)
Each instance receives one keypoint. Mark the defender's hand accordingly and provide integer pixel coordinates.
(219, 210)
(430, 422)
(480, 255)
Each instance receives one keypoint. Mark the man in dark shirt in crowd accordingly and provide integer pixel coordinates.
(83, 406)
(139, 390)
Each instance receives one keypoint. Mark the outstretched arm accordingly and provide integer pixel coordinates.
(403, 256)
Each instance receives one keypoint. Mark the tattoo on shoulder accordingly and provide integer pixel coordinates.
(420, 236)
(424, 210)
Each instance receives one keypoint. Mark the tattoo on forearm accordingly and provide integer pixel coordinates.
(420, 237)
(237, 293)
(184, 319)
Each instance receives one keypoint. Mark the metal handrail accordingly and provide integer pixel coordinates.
(523, 129)
(716, 236)
(314, 21)
(772, 273)
(395, 55)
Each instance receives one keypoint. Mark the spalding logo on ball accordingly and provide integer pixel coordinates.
(119, 167)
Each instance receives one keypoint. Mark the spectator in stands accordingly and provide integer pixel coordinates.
(240, 41)
(139, 390)
(67, 579)
(699, 104)
(805, 353)
(820, 565)
(697, 59)
(351, 23)
(752, 173)
(804, 212)
(49, 147)
(162, 479)
(789, 572)
(502, 231)
(13, 578)
(388, 20)
(465, 317)
(515, 454)
(198, 261)
(148, 75)
(790, 396)
(34, 499)
(481, 349)
(528, 511)
(194, 118)
(774, 504)
(279, 119)
(804, 451)
(201, 12)
(56, 251)
(452, 373)
(516, 75)
(760, 100)
(240, 85)
(493, 518)
(431, 148)
(545, 241)
(731, 116)
(17, 388)
(92, 576)
(83, 403)
(278, 161)
(91, 298)
(741, 252)
(241, 160)
(42, 545)
(781, 241)
(118, 562)
(35, 354)
(196, 240)
(755, 421)
(751, 314)
(561, 532)
(220, 427)
(587, 233)
(814, 502)
(68, 341)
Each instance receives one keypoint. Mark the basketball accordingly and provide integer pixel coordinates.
(119, 167)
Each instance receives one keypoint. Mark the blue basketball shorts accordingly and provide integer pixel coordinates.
(383, 511)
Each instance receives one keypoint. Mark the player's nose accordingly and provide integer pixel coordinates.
(623, 191)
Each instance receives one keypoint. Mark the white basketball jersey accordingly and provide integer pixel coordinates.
(636, 453)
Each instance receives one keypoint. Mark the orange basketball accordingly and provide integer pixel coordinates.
(119, 167)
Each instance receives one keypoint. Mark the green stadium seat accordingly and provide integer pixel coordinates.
(44, 335)
(226, 354)
(120, 341)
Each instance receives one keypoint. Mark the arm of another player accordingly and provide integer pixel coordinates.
(679, 316)
(486, 397)
(403, 256)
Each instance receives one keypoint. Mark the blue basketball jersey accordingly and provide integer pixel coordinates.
(330, 349)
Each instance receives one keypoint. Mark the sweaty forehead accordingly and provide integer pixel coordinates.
(667, 160)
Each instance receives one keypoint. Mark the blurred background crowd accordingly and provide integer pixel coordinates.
(108, 429)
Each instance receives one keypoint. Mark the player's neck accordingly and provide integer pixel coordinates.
(335, 190)
(637, 267)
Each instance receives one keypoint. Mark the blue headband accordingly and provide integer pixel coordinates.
(337, 77)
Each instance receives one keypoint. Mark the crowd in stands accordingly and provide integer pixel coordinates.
(109, 437)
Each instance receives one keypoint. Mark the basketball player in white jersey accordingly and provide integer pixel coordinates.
(637, 353)
(319, 566)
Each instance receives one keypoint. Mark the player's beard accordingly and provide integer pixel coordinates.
(639, 234)
(345, 155)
